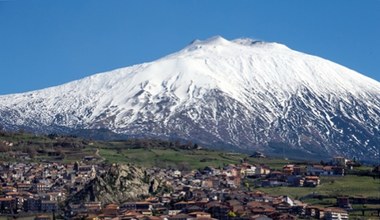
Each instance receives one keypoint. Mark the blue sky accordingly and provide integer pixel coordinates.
(45, 43)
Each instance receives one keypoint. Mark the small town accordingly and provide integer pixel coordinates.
(74, 191)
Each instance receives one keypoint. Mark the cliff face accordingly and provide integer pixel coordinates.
(120, 184)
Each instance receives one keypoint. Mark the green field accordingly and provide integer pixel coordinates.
(188, 159)
(334, 186)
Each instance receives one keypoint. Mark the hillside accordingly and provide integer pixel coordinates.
(144, 152)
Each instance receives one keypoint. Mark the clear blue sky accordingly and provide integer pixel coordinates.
(45, 43)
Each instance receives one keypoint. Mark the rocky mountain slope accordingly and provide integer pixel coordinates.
(243, 94)
(120, 184)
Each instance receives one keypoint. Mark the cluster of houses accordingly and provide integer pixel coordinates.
(36, 187)
(209, 204)
(210, 193)
(301, 175)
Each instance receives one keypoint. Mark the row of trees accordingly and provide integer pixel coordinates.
(153, 143)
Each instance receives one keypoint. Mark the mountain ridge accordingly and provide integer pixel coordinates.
(243, 93)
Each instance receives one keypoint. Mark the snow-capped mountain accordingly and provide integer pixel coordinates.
(242, 93)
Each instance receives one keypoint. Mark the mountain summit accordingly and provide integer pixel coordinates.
(247, 94)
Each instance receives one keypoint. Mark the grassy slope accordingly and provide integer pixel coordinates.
(334, 186)
(193, 159)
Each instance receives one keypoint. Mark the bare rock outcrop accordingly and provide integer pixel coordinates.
(121, 183)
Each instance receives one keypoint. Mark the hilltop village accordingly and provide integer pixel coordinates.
(98, 191)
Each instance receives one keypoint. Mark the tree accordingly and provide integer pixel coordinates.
(183, 166)
(231, 214)
(52, 135)
(177, 144)
(4, 147)
(31, 152)
(61, 154)
(246, 184)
